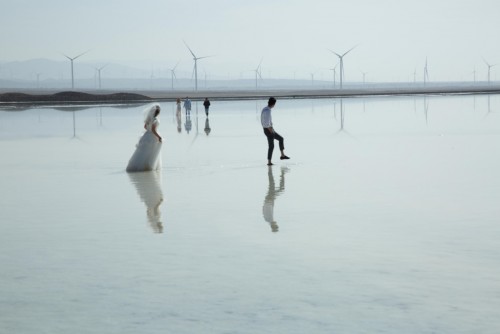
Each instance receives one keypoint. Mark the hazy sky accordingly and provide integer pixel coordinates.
(393, 37)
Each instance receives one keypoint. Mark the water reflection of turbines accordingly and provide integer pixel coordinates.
(100, 116)
(73, 111)
(342, 119)
(489, 105)
(342, 115)
(426, 110)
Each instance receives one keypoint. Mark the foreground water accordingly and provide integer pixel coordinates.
(386, 219)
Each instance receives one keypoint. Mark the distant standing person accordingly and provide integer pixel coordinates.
(187, 105)
(267, 124)
(206, 103)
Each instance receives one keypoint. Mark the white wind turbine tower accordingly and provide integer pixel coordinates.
(72, 73)
(312, 78)
(172, 74)
(426, 72)
(99, 73)
(364, 76)
(195, 66)
(341, 62)
(38, 80)
(258, 74)
(334, 70)
(489, 69)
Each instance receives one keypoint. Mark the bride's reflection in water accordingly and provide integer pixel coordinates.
(178, 117)
(272, 193)
(148, 186)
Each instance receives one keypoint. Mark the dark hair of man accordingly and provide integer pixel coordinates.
(271, 102)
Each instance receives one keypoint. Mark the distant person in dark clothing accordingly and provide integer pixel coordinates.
(206, 103)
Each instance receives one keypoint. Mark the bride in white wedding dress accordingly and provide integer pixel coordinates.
(147, 155)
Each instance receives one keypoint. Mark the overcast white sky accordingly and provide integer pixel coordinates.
(393, 37)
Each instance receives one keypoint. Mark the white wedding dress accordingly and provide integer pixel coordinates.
(147, 155)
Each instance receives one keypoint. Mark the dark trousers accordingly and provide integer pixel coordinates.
(271, 136)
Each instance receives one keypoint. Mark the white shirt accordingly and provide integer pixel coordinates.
(265, 118)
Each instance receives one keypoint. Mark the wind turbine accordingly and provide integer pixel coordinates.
(364, 76)
(426, 72)
(172, 74)
(72, 73)
(489, 68)
(258, 74)
(99, 74)
(195, 66)
(151, 78)
(312, 77)
(38, 80)
(334, 70)
(341, 62)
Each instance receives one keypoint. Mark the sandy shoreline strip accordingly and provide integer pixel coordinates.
(32, 97)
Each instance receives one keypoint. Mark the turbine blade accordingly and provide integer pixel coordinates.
(81, 54)
(189, 48)
(335, 53)
(349, 50)
(260, 63)
(203, 57)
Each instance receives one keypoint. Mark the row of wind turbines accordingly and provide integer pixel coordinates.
(258, 70)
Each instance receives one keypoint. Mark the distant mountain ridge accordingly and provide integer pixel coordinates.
(66, 97)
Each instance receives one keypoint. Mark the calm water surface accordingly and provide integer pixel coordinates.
(386, 219)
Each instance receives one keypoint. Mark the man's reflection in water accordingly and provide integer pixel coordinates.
(148, 186)
(207, 126)
(272, 193)
(188, 125)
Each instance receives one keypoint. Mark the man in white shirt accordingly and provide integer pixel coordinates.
(267, 124)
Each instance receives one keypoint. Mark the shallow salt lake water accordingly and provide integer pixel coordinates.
(385, 220)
